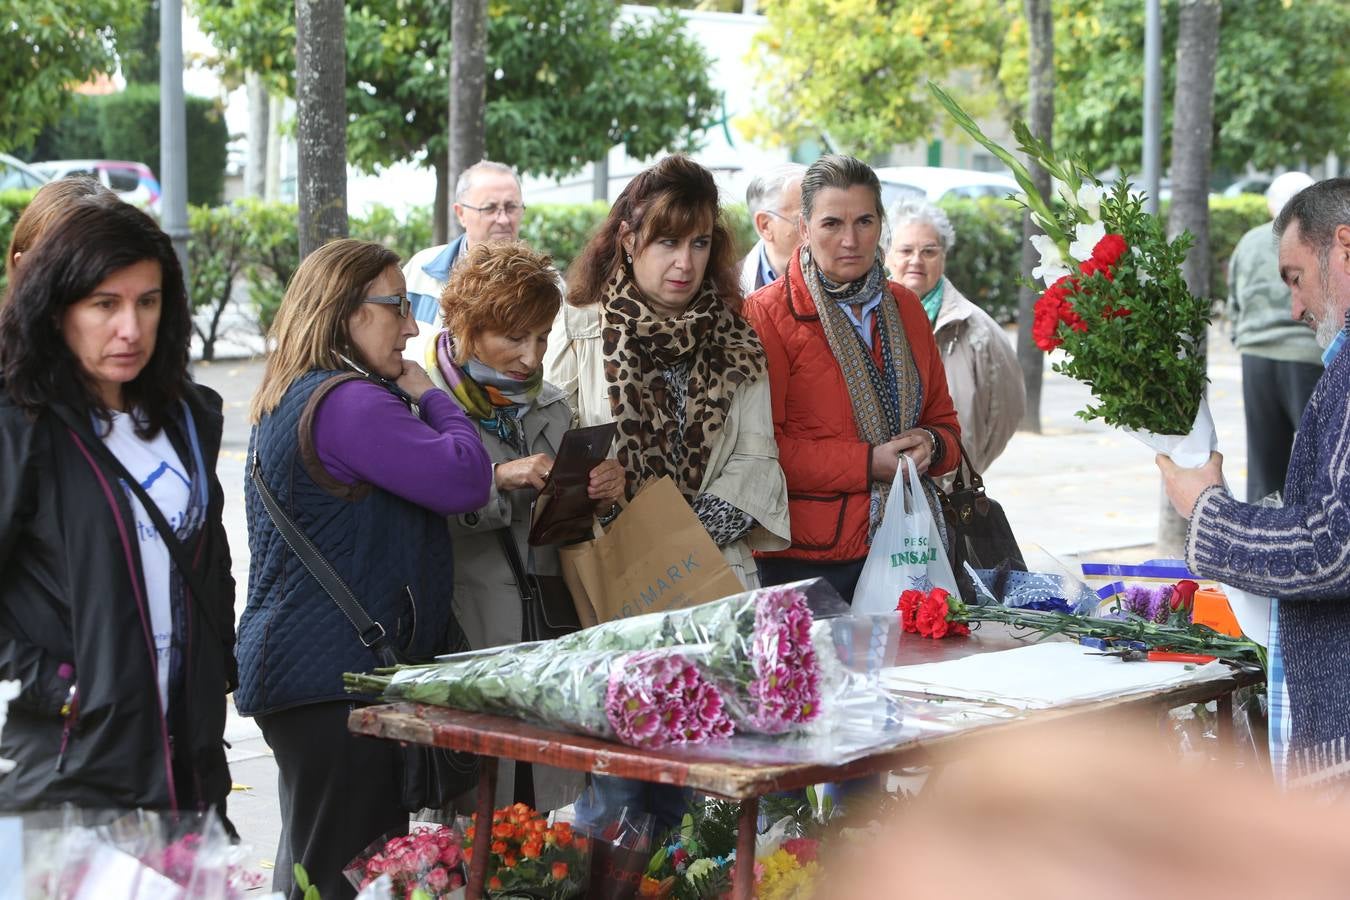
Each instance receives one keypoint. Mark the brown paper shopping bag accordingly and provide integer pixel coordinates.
(656, 556)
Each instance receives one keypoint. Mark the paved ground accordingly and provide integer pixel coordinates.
(1078, 491)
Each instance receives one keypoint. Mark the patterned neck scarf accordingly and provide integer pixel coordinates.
(496, 401)
(886, 400)
(720, 349)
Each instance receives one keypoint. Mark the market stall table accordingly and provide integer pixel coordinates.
(735, 779)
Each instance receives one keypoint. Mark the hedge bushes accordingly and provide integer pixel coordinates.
(125, 125)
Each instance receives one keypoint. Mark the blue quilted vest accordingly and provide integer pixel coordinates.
(294, 643)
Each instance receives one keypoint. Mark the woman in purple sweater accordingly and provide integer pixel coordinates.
(367, 458)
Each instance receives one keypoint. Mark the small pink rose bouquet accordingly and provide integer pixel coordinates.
(429, 860)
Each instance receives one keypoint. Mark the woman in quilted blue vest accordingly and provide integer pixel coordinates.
(366, 458)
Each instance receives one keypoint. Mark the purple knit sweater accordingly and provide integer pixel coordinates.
(363, 433)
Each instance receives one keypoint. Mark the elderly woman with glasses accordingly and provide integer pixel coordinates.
(983, 375)
(856, 379)
(367, 458)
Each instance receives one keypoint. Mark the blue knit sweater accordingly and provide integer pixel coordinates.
(1300, 555)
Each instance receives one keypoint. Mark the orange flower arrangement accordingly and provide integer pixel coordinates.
(531, 857)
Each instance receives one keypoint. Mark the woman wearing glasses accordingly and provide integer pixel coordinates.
(983, 375)
(857, 381)
(366, 457)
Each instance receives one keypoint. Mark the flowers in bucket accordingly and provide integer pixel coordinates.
(1115, 300)
(759, 652)
(428, 860)
(932, 614)
(645, 698)
(531, 858)
(791, 872)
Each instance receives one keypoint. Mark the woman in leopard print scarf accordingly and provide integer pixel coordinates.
(652, 338)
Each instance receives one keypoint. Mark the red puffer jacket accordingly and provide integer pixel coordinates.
(828, 467)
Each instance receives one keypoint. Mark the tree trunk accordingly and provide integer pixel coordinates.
(321, 121)
(1041, 120)
(468, 89)
(441, 212)
(1192, 143)
(255, 173)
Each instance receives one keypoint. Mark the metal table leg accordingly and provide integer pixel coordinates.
(744, 886)
(482, 833)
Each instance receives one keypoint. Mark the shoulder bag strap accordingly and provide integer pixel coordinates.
(523, 582)
(181, 560)
(371, 633)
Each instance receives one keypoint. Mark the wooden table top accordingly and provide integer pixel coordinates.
(703, 769)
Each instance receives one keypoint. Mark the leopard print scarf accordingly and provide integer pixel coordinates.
(722, 353)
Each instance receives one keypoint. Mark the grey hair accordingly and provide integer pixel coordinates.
(465, 182)
(919, 212)
(1319, 210)
(838, 171)
(764, 190)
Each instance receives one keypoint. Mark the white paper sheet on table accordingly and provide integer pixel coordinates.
(1038, 676)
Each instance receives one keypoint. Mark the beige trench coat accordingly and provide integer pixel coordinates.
(743, 462)
(486, 599)
(983, 377)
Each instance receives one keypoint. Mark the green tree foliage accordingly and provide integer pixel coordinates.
(1276, 95)
(566, 80)
(47, 47)
(854, 70)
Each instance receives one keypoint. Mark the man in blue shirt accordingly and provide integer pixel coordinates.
(775, 203)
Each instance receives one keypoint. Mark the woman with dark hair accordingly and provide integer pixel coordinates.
(652, 337)
(116, 601)
(856, 376)
(366, 458)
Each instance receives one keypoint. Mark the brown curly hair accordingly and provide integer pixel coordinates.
(500, 286)
(670, 199)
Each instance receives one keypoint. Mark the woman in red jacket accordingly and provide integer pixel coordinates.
(855, 376)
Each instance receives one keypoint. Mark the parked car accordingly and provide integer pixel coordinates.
(17, 175)
(1249, 184)
(132, 181)
(934, 183)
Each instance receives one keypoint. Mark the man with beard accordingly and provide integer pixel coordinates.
(1297, 554)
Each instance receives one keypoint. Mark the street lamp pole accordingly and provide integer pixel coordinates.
(172, 130)
(1152, 104)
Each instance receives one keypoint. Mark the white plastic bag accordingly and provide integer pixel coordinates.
(907, 551)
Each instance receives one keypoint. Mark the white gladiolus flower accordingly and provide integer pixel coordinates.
(1087, 235)
(1090, 200)
(1052, 266)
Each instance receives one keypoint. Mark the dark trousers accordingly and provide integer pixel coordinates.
(842, 576)
(1274, 394)
(338, 791)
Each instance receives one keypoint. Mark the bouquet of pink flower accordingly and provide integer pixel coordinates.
(644, 698)
(758, 652)
(429, 860)
(1115, 300)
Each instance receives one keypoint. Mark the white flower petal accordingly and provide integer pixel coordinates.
(1090, 200)
(1087, 235)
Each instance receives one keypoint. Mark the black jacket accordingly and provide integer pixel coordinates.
(68, 611)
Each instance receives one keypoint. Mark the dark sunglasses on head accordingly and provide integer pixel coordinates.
(400, 300)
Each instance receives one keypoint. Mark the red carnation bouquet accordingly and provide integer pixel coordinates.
(1115, 301)
(934, 614)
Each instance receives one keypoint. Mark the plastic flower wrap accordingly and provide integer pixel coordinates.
(429, 860)
(531, 858)
(644, 698)
(1115, 300)
(759, 652)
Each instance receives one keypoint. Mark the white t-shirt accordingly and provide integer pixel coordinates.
(157, 466)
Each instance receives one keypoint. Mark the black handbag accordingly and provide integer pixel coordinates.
(432, 777)
(546, 607)
(978, 530)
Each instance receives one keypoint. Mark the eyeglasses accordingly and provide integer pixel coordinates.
(492, 210)
(400, 300)
(927, 254)
(794, 221)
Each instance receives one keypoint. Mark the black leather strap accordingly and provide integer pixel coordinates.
(181, 560)
(525, 584)
(372, 633)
